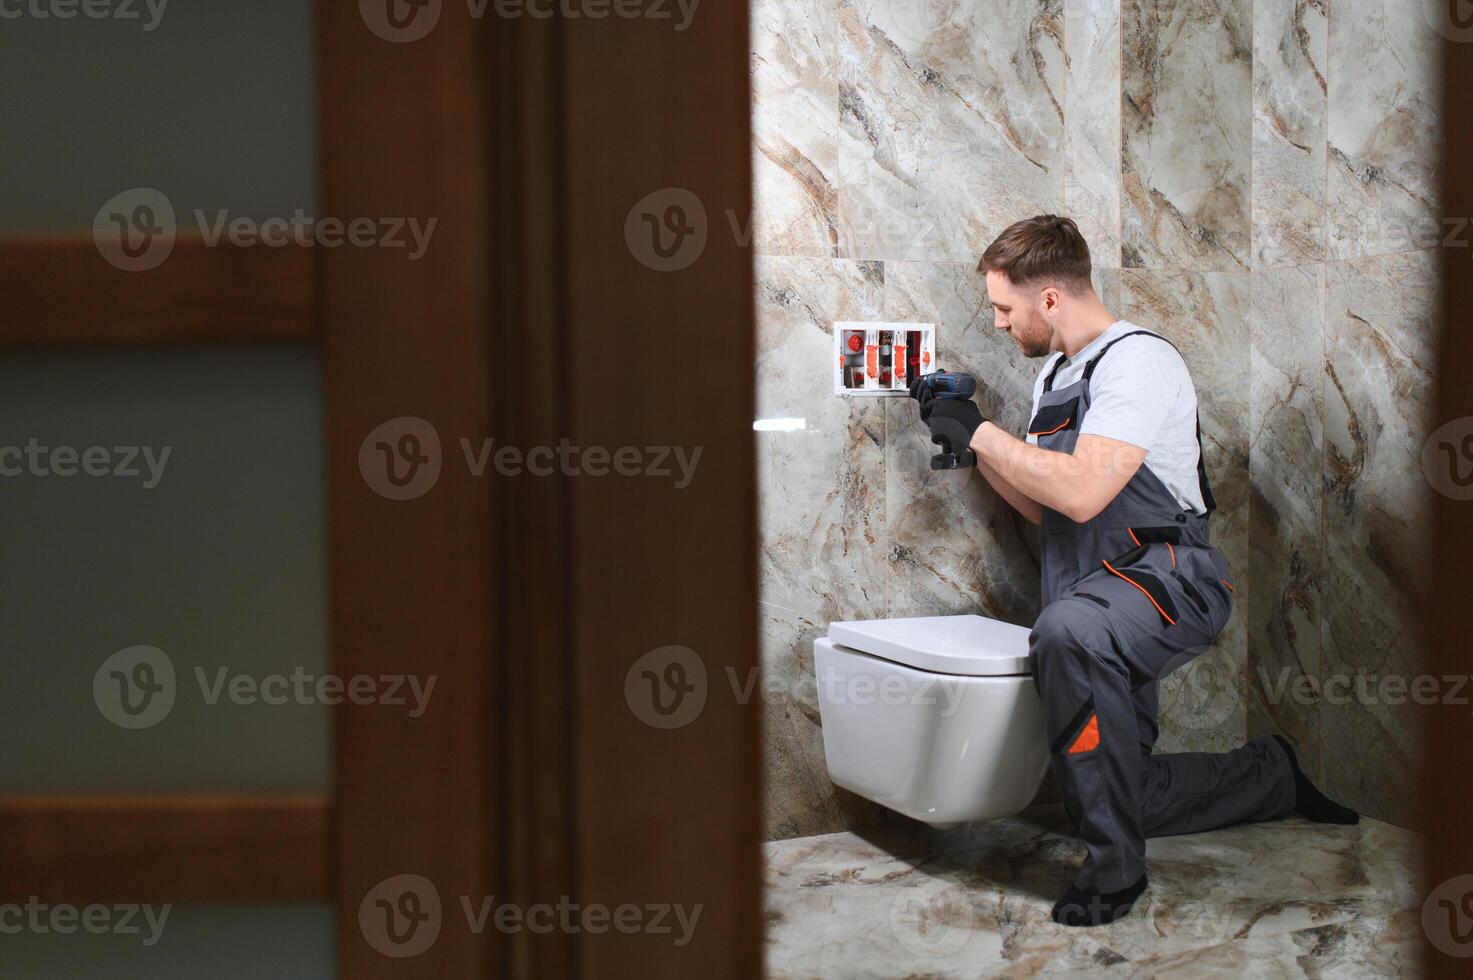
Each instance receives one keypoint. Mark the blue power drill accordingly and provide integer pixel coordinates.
(949, 384)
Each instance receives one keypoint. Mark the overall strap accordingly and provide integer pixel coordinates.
(1048, 382)
(1202, 484)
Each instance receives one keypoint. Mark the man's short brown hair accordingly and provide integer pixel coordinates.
(1045, 249)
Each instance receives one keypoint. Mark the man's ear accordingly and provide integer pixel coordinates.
(1050, 297)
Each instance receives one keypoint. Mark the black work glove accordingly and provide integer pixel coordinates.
(952, 421)
(922, 393)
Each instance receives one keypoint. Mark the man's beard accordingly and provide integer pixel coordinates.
(1036, 348)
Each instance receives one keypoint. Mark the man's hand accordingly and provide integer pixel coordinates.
(952, 421)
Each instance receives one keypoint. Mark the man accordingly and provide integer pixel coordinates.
(1111, 468)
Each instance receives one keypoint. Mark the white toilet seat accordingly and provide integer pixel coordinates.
(973, 646)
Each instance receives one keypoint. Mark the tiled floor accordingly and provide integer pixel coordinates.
(1284, 899)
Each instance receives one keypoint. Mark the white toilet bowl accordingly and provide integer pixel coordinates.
(936, 717)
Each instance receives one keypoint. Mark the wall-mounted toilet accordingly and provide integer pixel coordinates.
(935, 717)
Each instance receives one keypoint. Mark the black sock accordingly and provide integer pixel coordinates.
(1309, 801)
(1081, 908)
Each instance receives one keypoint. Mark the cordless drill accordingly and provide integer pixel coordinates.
(950, 384)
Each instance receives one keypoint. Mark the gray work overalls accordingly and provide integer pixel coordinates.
(1127, 597)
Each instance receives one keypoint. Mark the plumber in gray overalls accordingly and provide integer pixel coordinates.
(1111, 468)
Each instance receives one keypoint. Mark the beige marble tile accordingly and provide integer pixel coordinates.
(1285, 453)
(820, 488)
(951, 123)
(1380, 334)
(881, 103)
(1289, 131)
(975, 902)
(795, 124)
(1186, 137)
(822, 515)
(1384, 131)
(1206, 316)
(1092, 125)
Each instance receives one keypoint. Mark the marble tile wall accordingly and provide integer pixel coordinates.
(1345, 137)
(1244, 182)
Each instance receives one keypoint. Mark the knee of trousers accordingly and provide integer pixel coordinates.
(1067, 634)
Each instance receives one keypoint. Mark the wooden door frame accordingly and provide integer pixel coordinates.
(531, 320)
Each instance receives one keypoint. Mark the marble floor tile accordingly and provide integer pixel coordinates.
(975, 902)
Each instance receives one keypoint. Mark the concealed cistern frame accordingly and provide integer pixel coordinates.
(871, 361)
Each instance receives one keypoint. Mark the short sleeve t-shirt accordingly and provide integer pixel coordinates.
(1140, 393)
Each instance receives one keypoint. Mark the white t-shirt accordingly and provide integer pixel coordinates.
(1140, 393)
